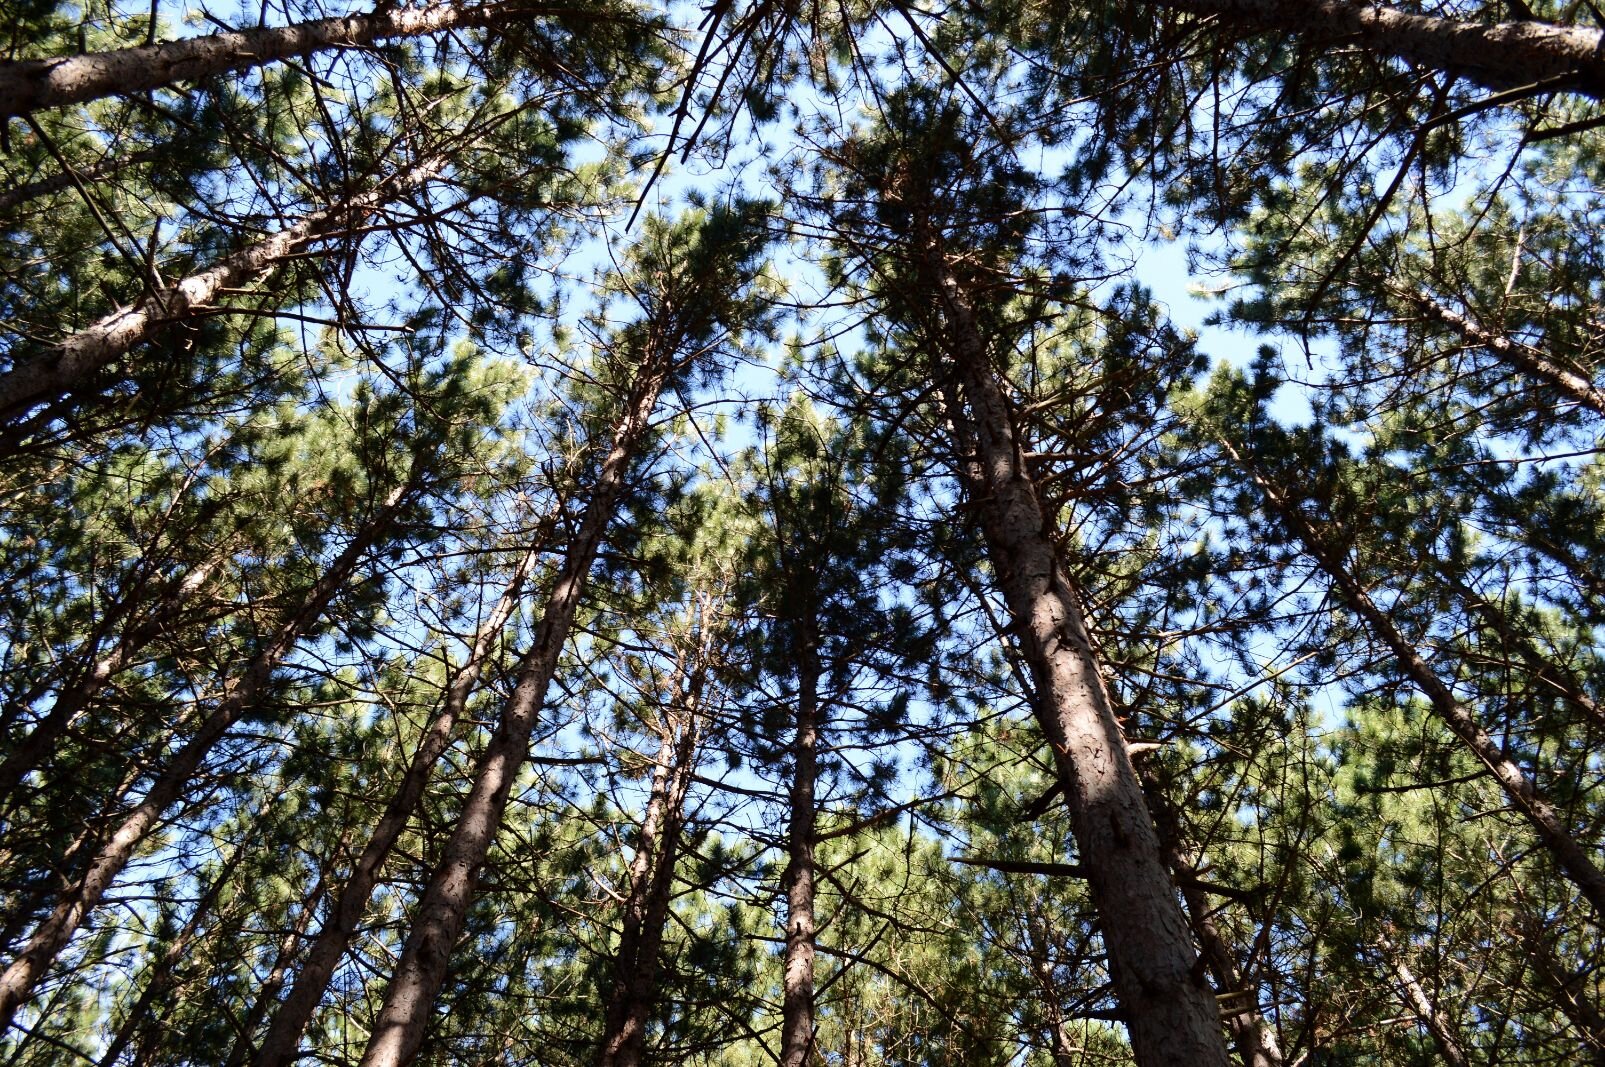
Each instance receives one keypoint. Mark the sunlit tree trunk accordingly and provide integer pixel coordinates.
(30, 84)
(1166, 1006)
(1522, 793)
(797, 1003)
(102, 869)
(33, 750)
(72, 364)
(1421, 1004)
(312, 980)
(1497, 55)
(1251, 1032)
(443, 908)
(646, 905)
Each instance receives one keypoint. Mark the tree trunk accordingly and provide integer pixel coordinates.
(1572, 858)
(1494, 55)
(399, 1029)
(18, 195)
(1532, 362)
(53, 934)
(32, 750)
(797, 1005)
(1251, 1033)
(1570, 992)
(1415, 996)
(71, 364)
(646, 907)
(274, 982)
(31, 84)
(1546, 673)
(161, 978)
(289, 1023)
(1167, 1008)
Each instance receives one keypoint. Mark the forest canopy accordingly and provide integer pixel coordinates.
(781, 532)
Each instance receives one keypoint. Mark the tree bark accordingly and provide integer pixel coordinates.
(797, 1004)
(1494, 55)
(32, 750)
(1420, 1003)
(1251, 1033)
(28, 85)
(399, 1029)
(53, 934)
(1546, 673)
(646, 907)
(1571, 857)
(269, 991)
(279, 1045)
(1570, 992)
(18, 195)
(160, 981)
(69, 365)
(1526, 360)
(1168, 1011)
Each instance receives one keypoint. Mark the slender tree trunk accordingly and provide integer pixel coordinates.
(73, 363)
(160, 981)
(53, 934)
(1495, 55)
(31, 84)
(269, 991)
(1167, 1008)
(1251, 1032)
(1524, 796)
(18, 195)
(1569, 992)
(1532, 362)
(1546, 673)
(797, 1004)
(1421, 1004)
(399, 1029)
(289, 1023)
(32, 750)
(646, 907)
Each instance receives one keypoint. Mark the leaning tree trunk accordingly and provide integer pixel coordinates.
(53, 934)
(1570, 992)
(1546, 674)
(31, 84)
(1421, 1004)
(33, 750)
(268, 992)
(18, 195)
(1167, 1008)
(797, 992)
(399, 1029)
(1535, 363)
(1573, 860)
(160, 982)
(72, 364)
(646, 906)
(279, 1045)
(1495, 55)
